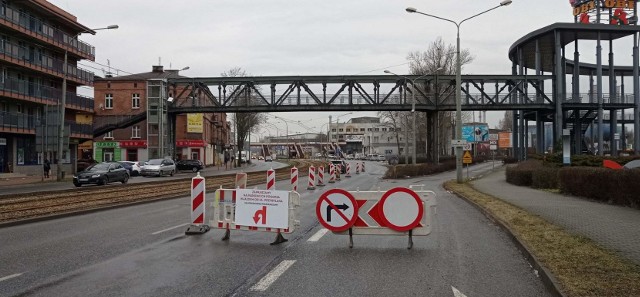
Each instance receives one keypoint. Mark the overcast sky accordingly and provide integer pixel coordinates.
(302, 37)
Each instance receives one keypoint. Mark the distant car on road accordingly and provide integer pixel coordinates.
(158, 167)
(191, 165)
(260, 158)
(268, 159)
(101, 174)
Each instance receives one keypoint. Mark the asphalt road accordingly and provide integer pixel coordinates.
(209, 171)
(142, 251)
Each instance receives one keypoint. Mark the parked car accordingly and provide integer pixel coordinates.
(341, 163)
(135, 167)
(191, 165)
(260, 158)
(158, 167)
(268, 159)
(101, 174)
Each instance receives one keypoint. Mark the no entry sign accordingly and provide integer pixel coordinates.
(400, 209)
(337, 210)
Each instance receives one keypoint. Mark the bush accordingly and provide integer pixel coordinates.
(545, 178)
(583, 160)
(603, 184)
(509, 160)
(522, 175)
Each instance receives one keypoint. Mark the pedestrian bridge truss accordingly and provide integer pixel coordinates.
(361, 93)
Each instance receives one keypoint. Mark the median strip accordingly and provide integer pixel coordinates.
(578, 266)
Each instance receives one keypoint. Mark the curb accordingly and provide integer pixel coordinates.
(548, 279)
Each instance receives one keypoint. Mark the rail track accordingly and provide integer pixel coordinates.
(20, 207)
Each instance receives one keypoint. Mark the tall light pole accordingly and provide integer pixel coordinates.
(459, 79)
(413, 111)
(63, 100)
(287, 126)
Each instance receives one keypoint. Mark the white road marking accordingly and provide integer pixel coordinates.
(168, 229)
(457, 293)
(272, 276)
(10, 277)
(318, 235)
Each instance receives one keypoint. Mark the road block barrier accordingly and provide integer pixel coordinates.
(271, 179)
(362, 166)
(357, 167)
(198, 193)
(398, 211)
(332, 174)
(321, 176)
(312, 178)
(241, 180)
(255, 210)
(338, 171)
(294, 179)
(348, 173)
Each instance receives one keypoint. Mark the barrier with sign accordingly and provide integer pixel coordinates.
(255, 210)
(198, 193)
(398, 211)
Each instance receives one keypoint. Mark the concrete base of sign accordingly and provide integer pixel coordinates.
(197, 230)
(279, 239)
(227, 235)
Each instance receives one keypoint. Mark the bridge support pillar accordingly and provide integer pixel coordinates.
(539, 133)
(432, 137)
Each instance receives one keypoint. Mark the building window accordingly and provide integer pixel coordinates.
(369, 129)
(108, 135)
(135, 100)
(135, 131)
(376, 129)
(333, 130)
(132, 154)
(361, 129)
(340, 130)
(135, 85)
(348, 129)
(108, 101)
(19, 108)
(384, 129)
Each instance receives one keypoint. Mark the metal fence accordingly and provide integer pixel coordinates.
(26, 123)
(52, 95)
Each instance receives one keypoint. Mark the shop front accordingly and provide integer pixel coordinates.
(134, 150)
(191, 149)
(106, 151)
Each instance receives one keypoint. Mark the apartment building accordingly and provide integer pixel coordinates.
(140, 102)
(367, 135)
(34, 35)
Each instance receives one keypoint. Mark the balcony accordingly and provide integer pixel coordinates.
(26, 23)
(24, 123)
(23, 56)
(24, 90)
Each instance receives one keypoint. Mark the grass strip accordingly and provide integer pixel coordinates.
(580, 266)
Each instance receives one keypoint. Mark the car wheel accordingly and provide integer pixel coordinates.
(126, 179)
(194, 169)
(77, 184)
(104, 181)
(171, 173)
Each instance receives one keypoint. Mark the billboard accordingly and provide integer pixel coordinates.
(476, 132)
(194, 123)
(504, 140)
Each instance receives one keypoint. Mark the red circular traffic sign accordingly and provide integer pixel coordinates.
(337, 210)
(401, 209)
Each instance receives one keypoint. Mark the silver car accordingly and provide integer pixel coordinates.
(158, 167)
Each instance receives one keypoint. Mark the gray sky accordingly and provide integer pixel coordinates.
(301, 37)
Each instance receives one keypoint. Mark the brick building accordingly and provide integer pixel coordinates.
(143, 96)
(34, 35)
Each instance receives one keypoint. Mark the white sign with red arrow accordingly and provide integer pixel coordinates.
(262, 208)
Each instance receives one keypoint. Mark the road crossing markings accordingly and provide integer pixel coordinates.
(169, 229)
(272, 276)
(8, 277)
(318, 235)
(457, 293)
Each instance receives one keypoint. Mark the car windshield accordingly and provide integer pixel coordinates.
(155, 162)
(98, 167)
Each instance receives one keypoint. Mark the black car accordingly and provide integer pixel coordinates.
(101, 174)
(128, 167)
(191, 165)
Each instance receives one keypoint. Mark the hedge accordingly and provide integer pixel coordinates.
(620, 187)
(522, 174)
(545, 178)
(401, 171)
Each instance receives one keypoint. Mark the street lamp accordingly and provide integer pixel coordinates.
(413, 111)
(458, 79)
(63, 100)
(287, 131)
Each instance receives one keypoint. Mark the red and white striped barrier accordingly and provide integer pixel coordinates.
(332, 173)
(362, 166)
(321, 176)
(357, 167)
(198, 194)
(241, 180)
(312, 178)
(348, 174)
(338, 171)
(294, 179)
(271, 179)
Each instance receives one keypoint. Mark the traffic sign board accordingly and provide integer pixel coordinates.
(466, 159)
(337, 210)
(401, 209)
(467, 147)
(458, 142)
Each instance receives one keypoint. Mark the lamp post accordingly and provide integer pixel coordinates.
(413, 111)
(459, 79)
(63, 100)
(287, 131)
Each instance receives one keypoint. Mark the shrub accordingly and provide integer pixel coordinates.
(522, 174)
(545, 178)
(509, 160)
(603, 184)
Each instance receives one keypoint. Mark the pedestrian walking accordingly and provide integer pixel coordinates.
(47, 168)
(226, 159)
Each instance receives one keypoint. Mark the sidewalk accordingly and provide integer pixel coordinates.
(613, 227)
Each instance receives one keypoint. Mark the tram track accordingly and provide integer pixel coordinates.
(24, 207)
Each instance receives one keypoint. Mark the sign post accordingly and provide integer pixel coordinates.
(467, 159)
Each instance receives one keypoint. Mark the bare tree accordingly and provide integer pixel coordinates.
(392, 120)
(506, 123)
(245, 122)
(438, 56)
